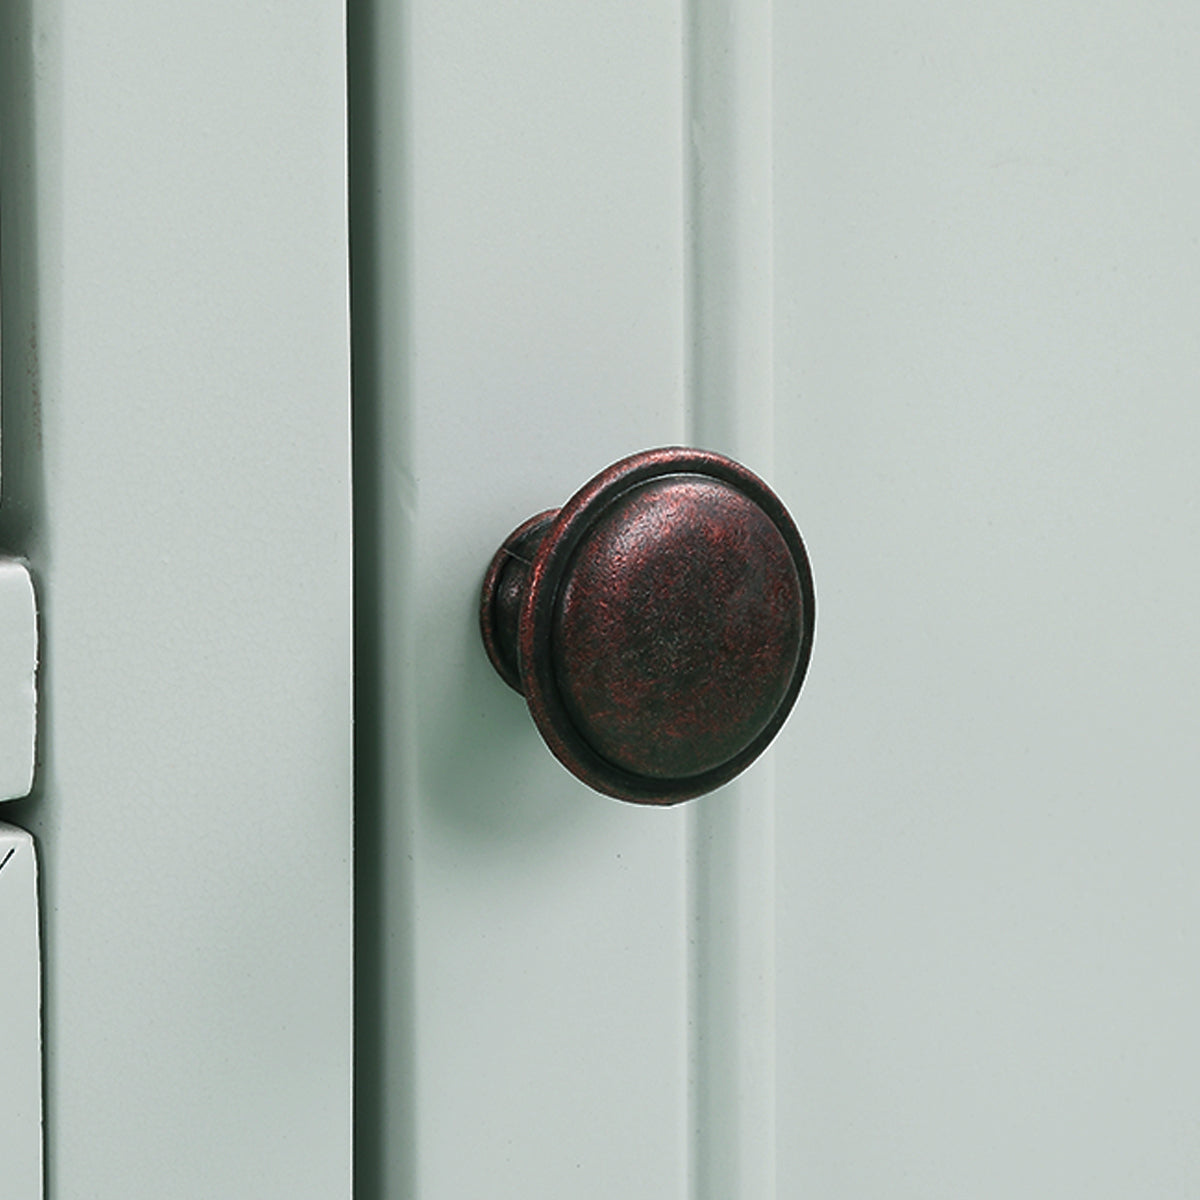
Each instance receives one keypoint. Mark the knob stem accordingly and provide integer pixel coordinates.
(504, 590)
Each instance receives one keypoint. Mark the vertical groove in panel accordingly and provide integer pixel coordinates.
(728, 367)
(385, 515)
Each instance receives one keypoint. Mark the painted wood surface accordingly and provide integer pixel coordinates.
(20, 1019)
(931, 273)
(557, 263)
(18, 679)
(938, 267)
(528, 1031)
(177, 472)
(988, 275)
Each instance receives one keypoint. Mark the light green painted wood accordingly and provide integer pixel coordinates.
(521, 262)
(18, 678)
(988, 276)
(178, 446)
(20, 1019)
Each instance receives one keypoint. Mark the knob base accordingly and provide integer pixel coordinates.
(503, 593)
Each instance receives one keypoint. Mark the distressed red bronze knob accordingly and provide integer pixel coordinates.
(659, 624)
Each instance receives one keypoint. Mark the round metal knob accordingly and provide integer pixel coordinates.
(659, 624)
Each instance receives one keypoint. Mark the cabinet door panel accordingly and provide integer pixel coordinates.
(930, 273)
(524, 944)
(988, 281)
(563, 255)
(177, 435)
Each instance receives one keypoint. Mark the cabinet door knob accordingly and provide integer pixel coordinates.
(659, 624)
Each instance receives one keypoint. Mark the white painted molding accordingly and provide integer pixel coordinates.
(18, 672)
(20, 1020)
